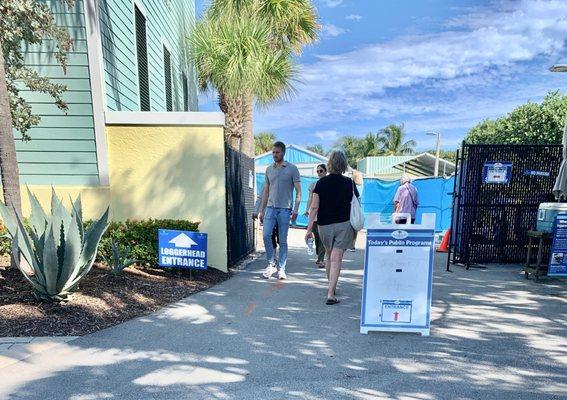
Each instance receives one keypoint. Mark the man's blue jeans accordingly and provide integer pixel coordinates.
(282, 216)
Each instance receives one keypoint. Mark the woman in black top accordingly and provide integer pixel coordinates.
(330, 205)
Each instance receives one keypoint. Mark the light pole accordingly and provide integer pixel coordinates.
(558, 183)
(438, 140)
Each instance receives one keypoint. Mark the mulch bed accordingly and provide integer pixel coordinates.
(103, 299)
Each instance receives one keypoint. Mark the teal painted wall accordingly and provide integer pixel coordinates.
(167, 21)
(62, 150)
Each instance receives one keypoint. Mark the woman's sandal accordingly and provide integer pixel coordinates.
(330, 302)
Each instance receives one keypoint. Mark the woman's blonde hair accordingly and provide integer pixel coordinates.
(337, 163)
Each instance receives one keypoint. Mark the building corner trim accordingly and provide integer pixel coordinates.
(96, 74)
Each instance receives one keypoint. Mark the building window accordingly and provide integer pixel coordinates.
(142, 53)
(185, 92)
(167, 74)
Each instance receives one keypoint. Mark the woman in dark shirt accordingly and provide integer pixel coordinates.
(330, 205)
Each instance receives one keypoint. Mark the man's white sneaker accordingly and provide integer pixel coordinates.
(269, 271)
(281, 274)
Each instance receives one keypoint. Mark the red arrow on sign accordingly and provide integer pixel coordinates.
(396, 315)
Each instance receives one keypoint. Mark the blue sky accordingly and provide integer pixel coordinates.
(440, 65)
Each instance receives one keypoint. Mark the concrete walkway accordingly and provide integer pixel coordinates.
(494, 335)
(14, 349)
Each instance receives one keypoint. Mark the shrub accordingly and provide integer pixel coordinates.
(5, 241)
(120, 258)
(141, 237)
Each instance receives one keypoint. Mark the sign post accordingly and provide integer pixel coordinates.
(182, 249)
(398, 272)
(558, 259)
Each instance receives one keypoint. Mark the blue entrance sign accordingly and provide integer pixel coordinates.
(558, 259)
(497, 172)
(182, 249)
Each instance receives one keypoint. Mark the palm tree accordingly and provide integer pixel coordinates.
(390, 141)
(291, 24)
(368, 146)
(264, 142)
(233, 56)
(317, 149)
(351, 146)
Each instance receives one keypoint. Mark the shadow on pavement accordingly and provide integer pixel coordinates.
(494, 335)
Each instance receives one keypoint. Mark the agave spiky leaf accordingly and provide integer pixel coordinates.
(78, 209)
(36, 286)
(73, 247)
(25, 245)
(38, 218)
(9, 221)
(90, 245)
(78, 214)
(50, 261)
(60, 215)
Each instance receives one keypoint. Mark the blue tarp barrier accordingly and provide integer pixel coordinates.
(378, 195)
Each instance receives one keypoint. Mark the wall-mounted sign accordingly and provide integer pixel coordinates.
(530, 172)
(497, 172)
(182, 249)
(558, 259)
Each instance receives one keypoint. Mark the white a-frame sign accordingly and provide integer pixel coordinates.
(398, 273)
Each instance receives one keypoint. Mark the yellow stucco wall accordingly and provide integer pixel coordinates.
(94, 199)
(175, 172)
(171, 172)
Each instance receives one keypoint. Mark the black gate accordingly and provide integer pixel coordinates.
(240, 204)
(490, 220)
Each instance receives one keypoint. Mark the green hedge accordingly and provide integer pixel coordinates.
(141, 237)
(5, 241)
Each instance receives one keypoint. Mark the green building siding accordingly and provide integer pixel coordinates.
(62, 149)
(167, 21)
(63, 146)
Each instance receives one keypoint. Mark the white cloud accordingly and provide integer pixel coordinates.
(331, 30)
(327, 136)
(446, 73)
(332, 3)
(354, 17)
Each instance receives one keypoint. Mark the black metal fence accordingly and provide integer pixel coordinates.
(490, 220)
(240, 204)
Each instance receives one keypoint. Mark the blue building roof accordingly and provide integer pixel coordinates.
(295, 155)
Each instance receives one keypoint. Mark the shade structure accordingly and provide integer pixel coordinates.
(424, 165)
(560, 187)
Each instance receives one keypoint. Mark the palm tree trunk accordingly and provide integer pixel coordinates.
(247, 143)
(8, 159)
(233, 125)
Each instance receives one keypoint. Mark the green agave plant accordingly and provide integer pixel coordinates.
(119, 260)
(56, 247)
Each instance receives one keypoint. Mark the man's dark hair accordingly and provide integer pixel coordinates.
(280, 145)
